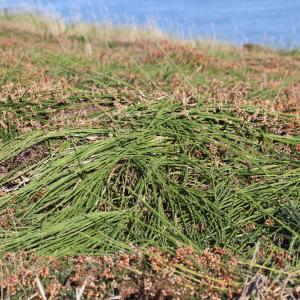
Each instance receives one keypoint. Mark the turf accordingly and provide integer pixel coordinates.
(150, 146)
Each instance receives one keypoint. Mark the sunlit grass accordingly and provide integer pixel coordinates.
(108, 144)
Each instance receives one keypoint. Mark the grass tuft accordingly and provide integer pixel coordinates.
(156, 153)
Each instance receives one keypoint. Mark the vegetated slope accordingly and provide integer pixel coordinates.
(186, 154)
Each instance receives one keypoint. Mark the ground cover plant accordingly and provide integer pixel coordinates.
(139, 166)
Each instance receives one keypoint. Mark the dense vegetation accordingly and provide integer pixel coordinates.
(136, 165)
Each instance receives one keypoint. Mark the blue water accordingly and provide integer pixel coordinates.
(272, 22)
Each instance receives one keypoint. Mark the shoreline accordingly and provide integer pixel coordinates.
(150, 24)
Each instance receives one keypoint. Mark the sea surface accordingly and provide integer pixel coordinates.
(271, 22)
